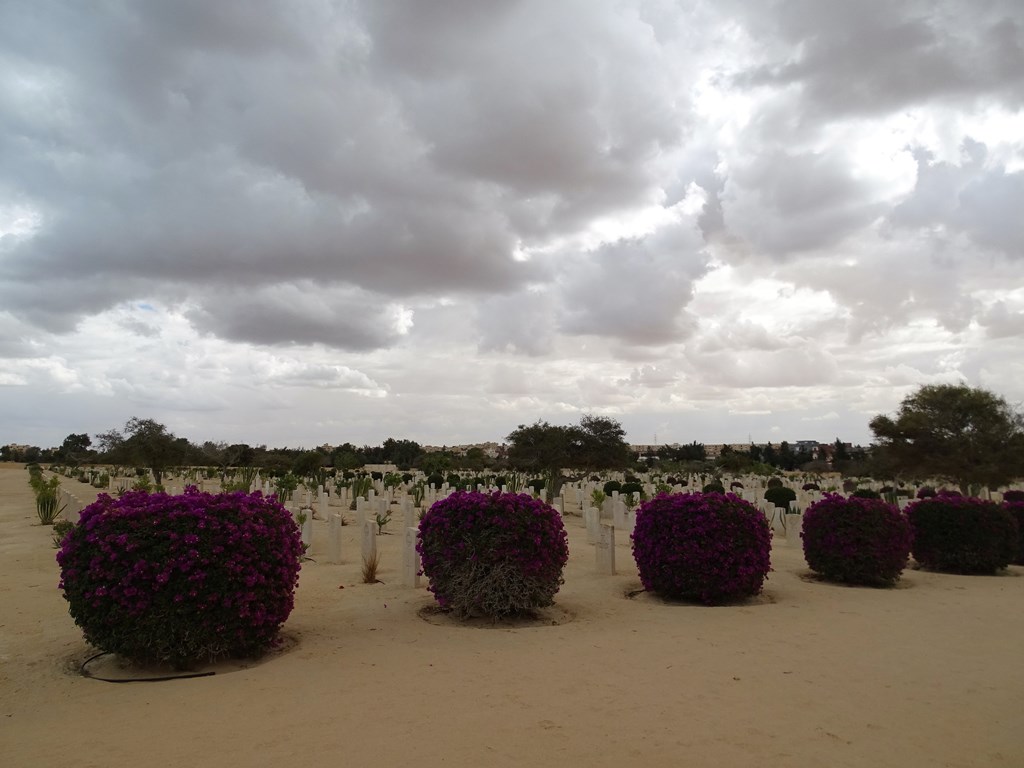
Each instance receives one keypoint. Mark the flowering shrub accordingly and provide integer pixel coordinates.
(925, 492)
(181, 578)
(1013, 496)
(492, 554)
(856, 540)
(1015, 508)
(962, 535)
(708, 547)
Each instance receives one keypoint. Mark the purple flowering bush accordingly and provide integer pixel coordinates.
(492, 554)
(182, 578)
(856, 540)
(709, 547)
(1016, 509)
(962, 535)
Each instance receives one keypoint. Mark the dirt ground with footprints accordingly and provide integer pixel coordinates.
(808, 674)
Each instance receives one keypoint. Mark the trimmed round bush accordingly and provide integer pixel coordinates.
(866, 493)
(780, 496)
(612, 486)
(492, 554)
(713, 487)
(811, 487)
(856, 540)
(926, 492)
(1016, 509)
(774, 482)
(962, 535)
(631, 487)
(182, 578)
(710, 547)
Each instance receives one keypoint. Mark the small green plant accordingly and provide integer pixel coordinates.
(597, 497)
(60, 530)
(418, 492)
(382, 518)
(360, 486)
(48, 506)
(287, 484)
(143, 484)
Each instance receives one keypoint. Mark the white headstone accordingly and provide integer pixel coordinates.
(334, 538)
(369, 540)
(592, 519)
(794, 523)
(410, 559)
(605, 549)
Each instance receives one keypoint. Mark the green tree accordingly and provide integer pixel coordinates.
(143, 443)
(958, 433)
(596, 443)
(402, 453)
(308, 464)
(74, 449)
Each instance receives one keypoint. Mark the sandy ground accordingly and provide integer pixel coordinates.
(811, 674)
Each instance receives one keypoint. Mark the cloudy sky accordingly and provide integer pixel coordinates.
(291, 222)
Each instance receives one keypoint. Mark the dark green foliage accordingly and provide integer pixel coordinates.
(865, 493)
(596, 443)
(780, 496)
(611, 486)
(774, 482)
(630, 487)
(714, 486)
(537, 484)
(966, 435)
(436, 480)
(1013, 496)
(962, 535)
(857, 540)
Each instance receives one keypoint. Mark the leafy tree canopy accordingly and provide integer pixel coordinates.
(596, 443)
(144, 443)
(951, 431)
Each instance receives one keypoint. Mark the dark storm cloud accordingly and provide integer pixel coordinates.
(875, 56)
(978, 197)
(396, 150)
(636, 291)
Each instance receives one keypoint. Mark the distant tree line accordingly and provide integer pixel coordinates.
(968, 436)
